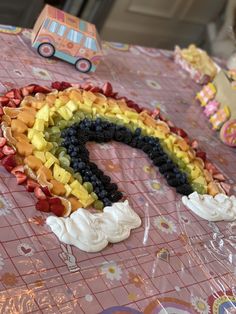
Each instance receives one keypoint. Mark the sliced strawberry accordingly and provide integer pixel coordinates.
(46, 190)
(107, 89)
(86, 86)
(9, 162)
(19, 168)
(219, 177)
(17, 94)
(8, 150)
(55, 201)
(21, 177)
(16, 101)
(4, 100)
(42, 205)
(57, 209)
(41, 89)
(39, 193)
(10, 94)
(2, 141)
(31, 185)
(1, 111)
(1, 155)
(194, 144)
(30, 88)
(95, 89)
(24, 91)
(201, 155)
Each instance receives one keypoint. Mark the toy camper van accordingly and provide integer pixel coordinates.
(67, 37)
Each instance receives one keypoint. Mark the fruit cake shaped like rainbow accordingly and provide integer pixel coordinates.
(43, 143)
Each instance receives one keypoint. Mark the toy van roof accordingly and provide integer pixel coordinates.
(64, 18)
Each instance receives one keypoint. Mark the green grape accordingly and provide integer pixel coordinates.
(81, 115)
(69, 169)
(53, 150)
(59, 150)
(198, 188)
(46, 135)
(88, 186)
(54, 137)
(98, 205)
(64, 162)
(94, 196)
(55, 130)
(78, 177)
(62, 153)
(67, 157)
(62, 124)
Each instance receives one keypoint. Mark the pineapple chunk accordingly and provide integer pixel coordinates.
(61, 174)
(43, 113)
(58, 103)
(78, 190)
(38, 141)
(132, 114)
(50, 160)
(40, 155)
(88, 201)
(31, 133)
(65, 113)
(71, 105)
(39, 125)
(85, 108)
(68, 190)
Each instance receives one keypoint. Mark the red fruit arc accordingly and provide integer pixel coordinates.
(57, 209)
(55, 201)
(19, 168)
(8, 150)
(9, 162)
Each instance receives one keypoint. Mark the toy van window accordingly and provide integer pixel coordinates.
(74, 36)
(61, 30)
(53, 27)
(90, 43)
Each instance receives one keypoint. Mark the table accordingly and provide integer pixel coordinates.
(184, 265)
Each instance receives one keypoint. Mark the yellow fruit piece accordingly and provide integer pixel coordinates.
(78, 190)
(123, 118)
(68, 190)
(38, 141)
(87, 202)
(31, 133)
(39, 125)
(58, 103)
(61, 174)
(200, 180)
(65, 113)
(85, 108)
(40, 155)
(43, 113)
(50, 160)
(71, 105)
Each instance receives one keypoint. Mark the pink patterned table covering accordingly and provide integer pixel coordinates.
(175, 261)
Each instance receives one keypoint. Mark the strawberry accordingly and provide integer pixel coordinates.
(179, 131)
(1, 155)
(41, 89)
(30, 88)
(31, 185)
(24, 91)
(10, 94)
(194, 144)
(1, 110)
(201, 155)
(16, 101)
(21, 177)
(107, 89)
(46, 190)
(219, 177)
(57, 209)
(39, 193)
(86, 86)
(17, 94)
(9, 162)
(8, 150)
(4, 100)
(19, 168)
(55, 201)
(2, 141)
(95, 89)
(11, 104)
(42, 205)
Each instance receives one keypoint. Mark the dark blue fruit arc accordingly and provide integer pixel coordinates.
(76, 136)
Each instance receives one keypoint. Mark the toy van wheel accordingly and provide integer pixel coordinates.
(83, 65)
(46, 50)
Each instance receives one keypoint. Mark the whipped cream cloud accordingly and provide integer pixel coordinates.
(92, 232)
(219, 207)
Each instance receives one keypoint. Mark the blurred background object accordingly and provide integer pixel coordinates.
(155, 23)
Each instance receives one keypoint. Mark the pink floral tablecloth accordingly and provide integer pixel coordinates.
(175, 263)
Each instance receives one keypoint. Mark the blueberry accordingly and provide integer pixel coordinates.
(102, 194)
(137, 132)
(184, 189)
(115, 197)
(105, 179)
(158, 161)
(107, 202)
(174, 182)
(111, 187)
(166, 167)
(81, 165)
